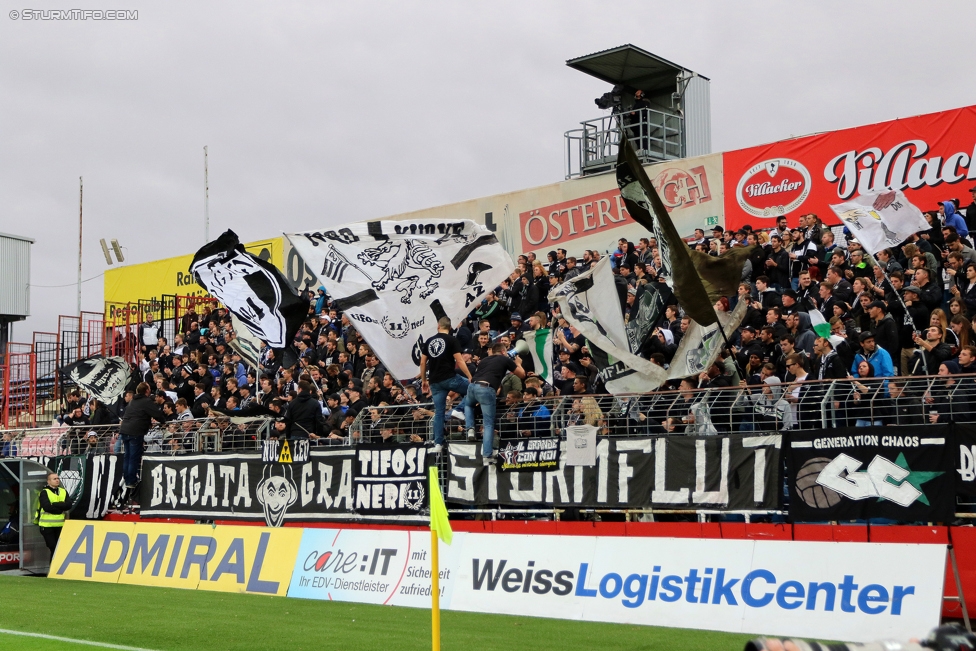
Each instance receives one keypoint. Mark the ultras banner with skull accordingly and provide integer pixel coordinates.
(395, 279)
(856, 473)
(723, 472)
(103, 378)
(243, 487)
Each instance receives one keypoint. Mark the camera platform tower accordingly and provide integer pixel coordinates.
(670, 119)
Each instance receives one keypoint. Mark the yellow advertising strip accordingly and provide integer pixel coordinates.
(172, 276)
(257, 560)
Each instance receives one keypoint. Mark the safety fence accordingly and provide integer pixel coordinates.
(31, 389)
(768, 407)
(215, 434)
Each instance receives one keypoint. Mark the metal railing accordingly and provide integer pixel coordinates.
(657, 136)
(808, 405)
(217, 434)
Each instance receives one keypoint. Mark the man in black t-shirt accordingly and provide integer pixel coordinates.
(482, 391)
(439, 356)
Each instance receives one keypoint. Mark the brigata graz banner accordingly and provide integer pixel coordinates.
(715, 472)
(244, 487)
(900, 473)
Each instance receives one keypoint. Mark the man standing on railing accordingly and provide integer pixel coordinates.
(439, 356)
(482, 391)
(136, 422)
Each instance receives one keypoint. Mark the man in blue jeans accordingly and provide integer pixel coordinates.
(482, 391)
(439, 356)
(136, 421)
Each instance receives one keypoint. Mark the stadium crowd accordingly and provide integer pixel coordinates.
(910, 311)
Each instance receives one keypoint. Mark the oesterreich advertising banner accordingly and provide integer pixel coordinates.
(927, 157)
(691, 190)
(853, 473)
(391, 479)
(244, 487)
(716, 472)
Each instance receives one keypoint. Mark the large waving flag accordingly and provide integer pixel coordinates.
(696, 278)
(254, 290)
(880, 220)
(395, 279)
(589, 302)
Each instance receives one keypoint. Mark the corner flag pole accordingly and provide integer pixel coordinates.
(435, 593)
(440, 529)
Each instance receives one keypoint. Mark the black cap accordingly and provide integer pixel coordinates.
(749, 328)
(515, 317)
(880, 304)
(866, 335)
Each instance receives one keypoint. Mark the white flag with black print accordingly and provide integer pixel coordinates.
(590, 303)
(103, 378)
(880, 220)
(254, 290)
(395, 279)
(700, 346)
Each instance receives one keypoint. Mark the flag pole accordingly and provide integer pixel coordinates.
(435, 593)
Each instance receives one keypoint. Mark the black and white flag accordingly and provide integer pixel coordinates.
(589, 302)
(395, 279)
(104, 378)
(256, 292)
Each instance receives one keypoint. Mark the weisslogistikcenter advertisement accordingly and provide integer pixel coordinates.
(849, 591)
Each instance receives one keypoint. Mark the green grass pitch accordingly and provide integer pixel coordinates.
(185, 620)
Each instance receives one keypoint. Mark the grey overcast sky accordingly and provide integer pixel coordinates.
(322, 113)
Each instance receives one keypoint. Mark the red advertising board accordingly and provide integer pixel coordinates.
(928, 157)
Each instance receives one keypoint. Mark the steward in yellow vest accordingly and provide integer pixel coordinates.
(52, 510)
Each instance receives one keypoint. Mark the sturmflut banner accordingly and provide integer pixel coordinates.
(715, 472)
(853, 473)
(395, 279)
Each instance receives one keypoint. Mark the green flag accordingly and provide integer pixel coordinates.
(697, 279)
(540, 346)
(439, 523)
(820, 325)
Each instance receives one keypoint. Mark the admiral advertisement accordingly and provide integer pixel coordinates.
(196, 557)
(928, 157)
(730, 472)
(857, 473)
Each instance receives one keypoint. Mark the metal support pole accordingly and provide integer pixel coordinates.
(81, 199)
(206, 198)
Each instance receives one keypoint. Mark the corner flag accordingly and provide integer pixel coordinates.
(439, 522)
